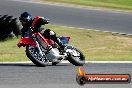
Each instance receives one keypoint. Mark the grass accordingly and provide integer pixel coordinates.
(96, 46)
(10, 52)
(118, 4)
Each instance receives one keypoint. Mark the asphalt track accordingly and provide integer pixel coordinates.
(115, 21)
(27, 75)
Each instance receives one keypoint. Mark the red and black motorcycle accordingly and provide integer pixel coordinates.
(41, 51)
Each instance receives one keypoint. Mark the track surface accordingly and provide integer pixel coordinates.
(60, 76)
(69, 16)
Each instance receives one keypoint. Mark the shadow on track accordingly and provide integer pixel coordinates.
(29, 65)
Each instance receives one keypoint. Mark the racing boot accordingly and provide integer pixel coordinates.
(61, 45)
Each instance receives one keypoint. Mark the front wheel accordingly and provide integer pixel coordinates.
(33, 54)
(75, 56)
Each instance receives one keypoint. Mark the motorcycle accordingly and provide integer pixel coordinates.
(42, 51)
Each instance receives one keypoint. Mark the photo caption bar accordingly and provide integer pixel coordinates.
(83, 78)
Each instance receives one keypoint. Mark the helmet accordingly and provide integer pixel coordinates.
(25, 17)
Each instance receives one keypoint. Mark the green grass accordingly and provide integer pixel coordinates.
(118, 4)
(96, 46)
(10, 52)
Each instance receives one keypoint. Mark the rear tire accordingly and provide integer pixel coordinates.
(78, 60)
(34, 56)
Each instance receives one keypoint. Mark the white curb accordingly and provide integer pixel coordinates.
(24, 62)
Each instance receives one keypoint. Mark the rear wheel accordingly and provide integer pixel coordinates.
(75, 57)
(35, 57)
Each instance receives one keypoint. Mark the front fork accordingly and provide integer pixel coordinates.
(37, 45)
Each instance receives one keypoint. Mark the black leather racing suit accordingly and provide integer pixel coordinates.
(48, 33)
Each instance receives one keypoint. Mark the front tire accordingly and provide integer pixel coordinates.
(34, 56)
(75, 57)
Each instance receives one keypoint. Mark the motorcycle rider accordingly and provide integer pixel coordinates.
(28, 22)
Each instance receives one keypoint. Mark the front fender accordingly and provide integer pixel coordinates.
(26, 41)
